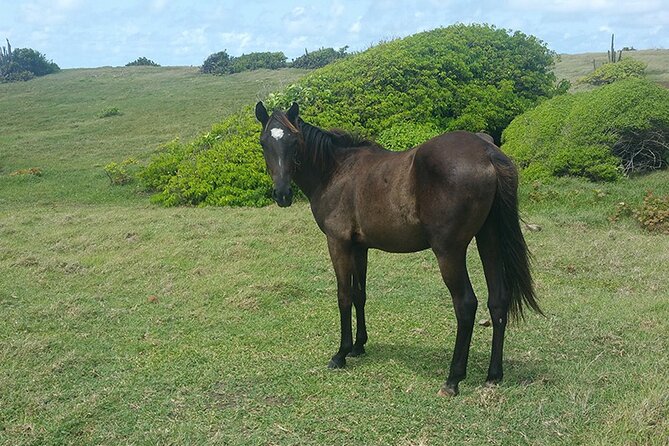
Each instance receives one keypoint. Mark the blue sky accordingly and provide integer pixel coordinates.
(81, 33)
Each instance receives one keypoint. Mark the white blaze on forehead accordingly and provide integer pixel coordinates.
(277, 133)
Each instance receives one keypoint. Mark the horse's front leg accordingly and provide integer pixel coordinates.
(359, 293)
(341, 253)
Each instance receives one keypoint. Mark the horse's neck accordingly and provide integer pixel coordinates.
(313, 170)
(309, 176)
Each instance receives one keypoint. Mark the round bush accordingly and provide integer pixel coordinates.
(603, 134)
(611, 72)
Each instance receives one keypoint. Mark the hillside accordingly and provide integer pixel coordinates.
(574, 66)
(53, 123)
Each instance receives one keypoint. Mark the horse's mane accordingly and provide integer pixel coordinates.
(324, 146)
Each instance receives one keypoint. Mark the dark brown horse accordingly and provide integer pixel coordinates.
(438, 195)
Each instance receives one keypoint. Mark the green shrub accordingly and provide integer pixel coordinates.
(222, 167)
(222, 63)
(34, 171)
(615, 130)
(142, 61)
(217, 63)
(256, 61)
(653, 214)
(108, 112)
(319, 58)
(122, 173)
(612, 72)
(22, 64)
(406, 135)
(472, 77)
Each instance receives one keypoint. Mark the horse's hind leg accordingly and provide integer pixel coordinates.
(498, 300)
(453, 268)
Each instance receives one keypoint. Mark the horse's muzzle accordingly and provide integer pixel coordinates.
(283, 199)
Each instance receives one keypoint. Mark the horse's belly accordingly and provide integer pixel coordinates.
(394, 236)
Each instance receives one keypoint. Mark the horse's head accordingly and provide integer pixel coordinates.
(280, 140)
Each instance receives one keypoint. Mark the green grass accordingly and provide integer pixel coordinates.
(126, 323)
(575, 66)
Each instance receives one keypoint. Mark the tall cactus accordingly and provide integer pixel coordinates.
(612, 52)
(6, 53)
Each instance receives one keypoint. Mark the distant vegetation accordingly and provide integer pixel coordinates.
(319, 58)
(22, 64)
(615, 130)
(223, 63)
(142, 61)
(469, 77)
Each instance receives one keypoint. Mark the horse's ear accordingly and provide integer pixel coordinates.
(261, 113)
(293, 111)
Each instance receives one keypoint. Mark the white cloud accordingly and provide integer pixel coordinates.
(356, 26)
(158, 5)
(190, 40)
(298, 11)
(66, 4)
(571, 6)
(241, 40)
(337, 9)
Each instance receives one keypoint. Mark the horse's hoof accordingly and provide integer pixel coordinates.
(491, 383)
(357, 351)
(336, 363)
(448, 391)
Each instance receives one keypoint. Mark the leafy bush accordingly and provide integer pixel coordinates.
(402, 92)
(319, 58)
(653, 214)
(108, 112)
(406, 135)
(618, 129)
(142, 61)
(612, 72)
(471, 77)
(256, 61)
(34, 171)
(222, 167)
(122, 173)
(22, 64)
(217, 63)
(223, 63)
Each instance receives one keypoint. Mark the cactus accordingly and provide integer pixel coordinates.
(6, 53)
(612, 52)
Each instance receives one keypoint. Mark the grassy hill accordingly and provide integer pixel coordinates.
(126, 323)
(53, 123)
(575, 66)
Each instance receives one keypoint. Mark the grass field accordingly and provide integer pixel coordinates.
(126, 323)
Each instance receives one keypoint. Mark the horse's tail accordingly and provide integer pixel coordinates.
(514, 254)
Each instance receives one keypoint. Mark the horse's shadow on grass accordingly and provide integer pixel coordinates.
(433, 362)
